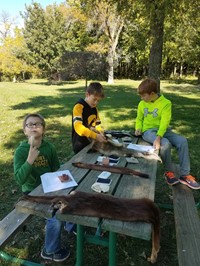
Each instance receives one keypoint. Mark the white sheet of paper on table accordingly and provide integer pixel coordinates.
(51, 182)
(142, 148)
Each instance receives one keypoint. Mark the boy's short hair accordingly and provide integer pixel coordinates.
(96, 89)
(34, 115)
(148, 86)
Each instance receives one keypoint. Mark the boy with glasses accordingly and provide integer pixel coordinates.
(34, 157)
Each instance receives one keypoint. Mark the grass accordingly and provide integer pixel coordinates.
(118, 111)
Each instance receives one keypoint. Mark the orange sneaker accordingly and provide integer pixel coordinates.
(189, 181)
(171, 179)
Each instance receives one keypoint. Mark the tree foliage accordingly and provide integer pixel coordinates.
(138, 38)
(45, 33)
(105, 23)
(12, 57)
(181, 51)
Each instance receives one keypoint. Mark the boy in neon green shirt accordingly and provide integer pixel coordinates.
(152, 122)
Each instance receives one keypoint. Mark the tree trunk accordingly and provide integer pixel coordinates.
(175, 70)
(157, 31)
(181, 70)
(110, 67)
(113, 34)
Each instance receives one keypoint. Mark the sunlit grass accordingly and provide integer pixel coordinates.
(117, 111)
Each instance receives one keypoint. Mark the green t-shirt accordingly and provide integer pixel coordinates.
(154, 115)
(28, 176)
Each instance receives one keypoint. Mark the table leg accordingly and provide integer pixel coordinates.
(79, 245)
(112, 249)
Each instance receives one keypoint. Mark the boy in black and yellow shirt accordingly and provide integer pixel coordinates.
(85, 118)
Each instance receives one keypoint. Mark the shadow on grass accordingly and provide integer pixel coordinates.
(58, 83)
(120, 104)
(184, 81)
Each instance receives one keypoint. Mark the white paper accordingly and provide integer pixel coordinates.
(51, 182)
(142, 148)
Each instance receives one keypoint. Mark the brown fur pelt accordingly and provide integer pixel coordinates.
(110, 207)
(111, 147)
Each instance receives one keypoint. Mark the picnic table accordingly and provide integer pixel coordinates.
(122, 185)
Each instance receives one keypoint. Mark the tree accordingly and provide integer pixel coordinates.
(154, 12)
(105, 23)
(13, 57)
(157, 16)
(85, 65)
(45, 33)
(6, 25)
(181, 46)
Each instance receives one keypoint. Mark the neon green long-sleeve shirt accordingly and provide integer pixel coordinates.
(154, 115)
(28, 176)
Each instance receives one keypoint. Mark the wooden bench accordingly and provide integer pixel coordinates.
(9, 226)
(187, 224)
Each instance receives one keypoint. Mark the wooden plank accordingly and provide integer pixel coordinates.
(85, 186)
(12, 223)
(187, 224)
(27, 207)
(135, 187)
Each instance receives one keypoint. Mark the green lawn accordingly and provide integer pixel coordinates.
(118, 111)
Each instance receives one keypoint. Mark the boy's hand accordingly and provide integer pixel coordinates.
(138, 132)
(93, 129)
(101, 137)
(156, 143)
(33, 154)
(31, 141)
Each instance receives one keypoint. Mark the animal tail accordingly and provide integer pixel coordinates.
(155, 235)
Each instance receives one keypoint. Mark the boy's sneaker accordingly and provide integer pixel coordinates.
(189, 181)
(171, 179)
(60, 255)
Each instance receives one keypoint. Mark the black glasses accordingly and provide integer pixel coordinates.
(32, 125)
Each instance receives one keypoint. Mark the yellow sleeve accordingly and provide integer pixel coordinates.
(80, 129)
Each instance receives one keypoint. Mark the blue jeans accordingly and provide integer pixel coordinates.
(53, 235)
(169, 140)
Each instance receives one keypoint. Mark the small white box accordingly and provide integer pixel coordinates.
(100, 159)
(104, 175)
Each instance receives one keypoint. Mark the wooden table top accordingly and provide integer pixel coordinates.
(125, 186)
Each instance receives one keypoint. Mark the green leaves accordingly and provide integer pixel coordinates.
(45, 36)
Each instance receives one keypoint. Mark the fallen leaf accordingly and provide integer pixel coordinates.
(143, 255)
(13, 191)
